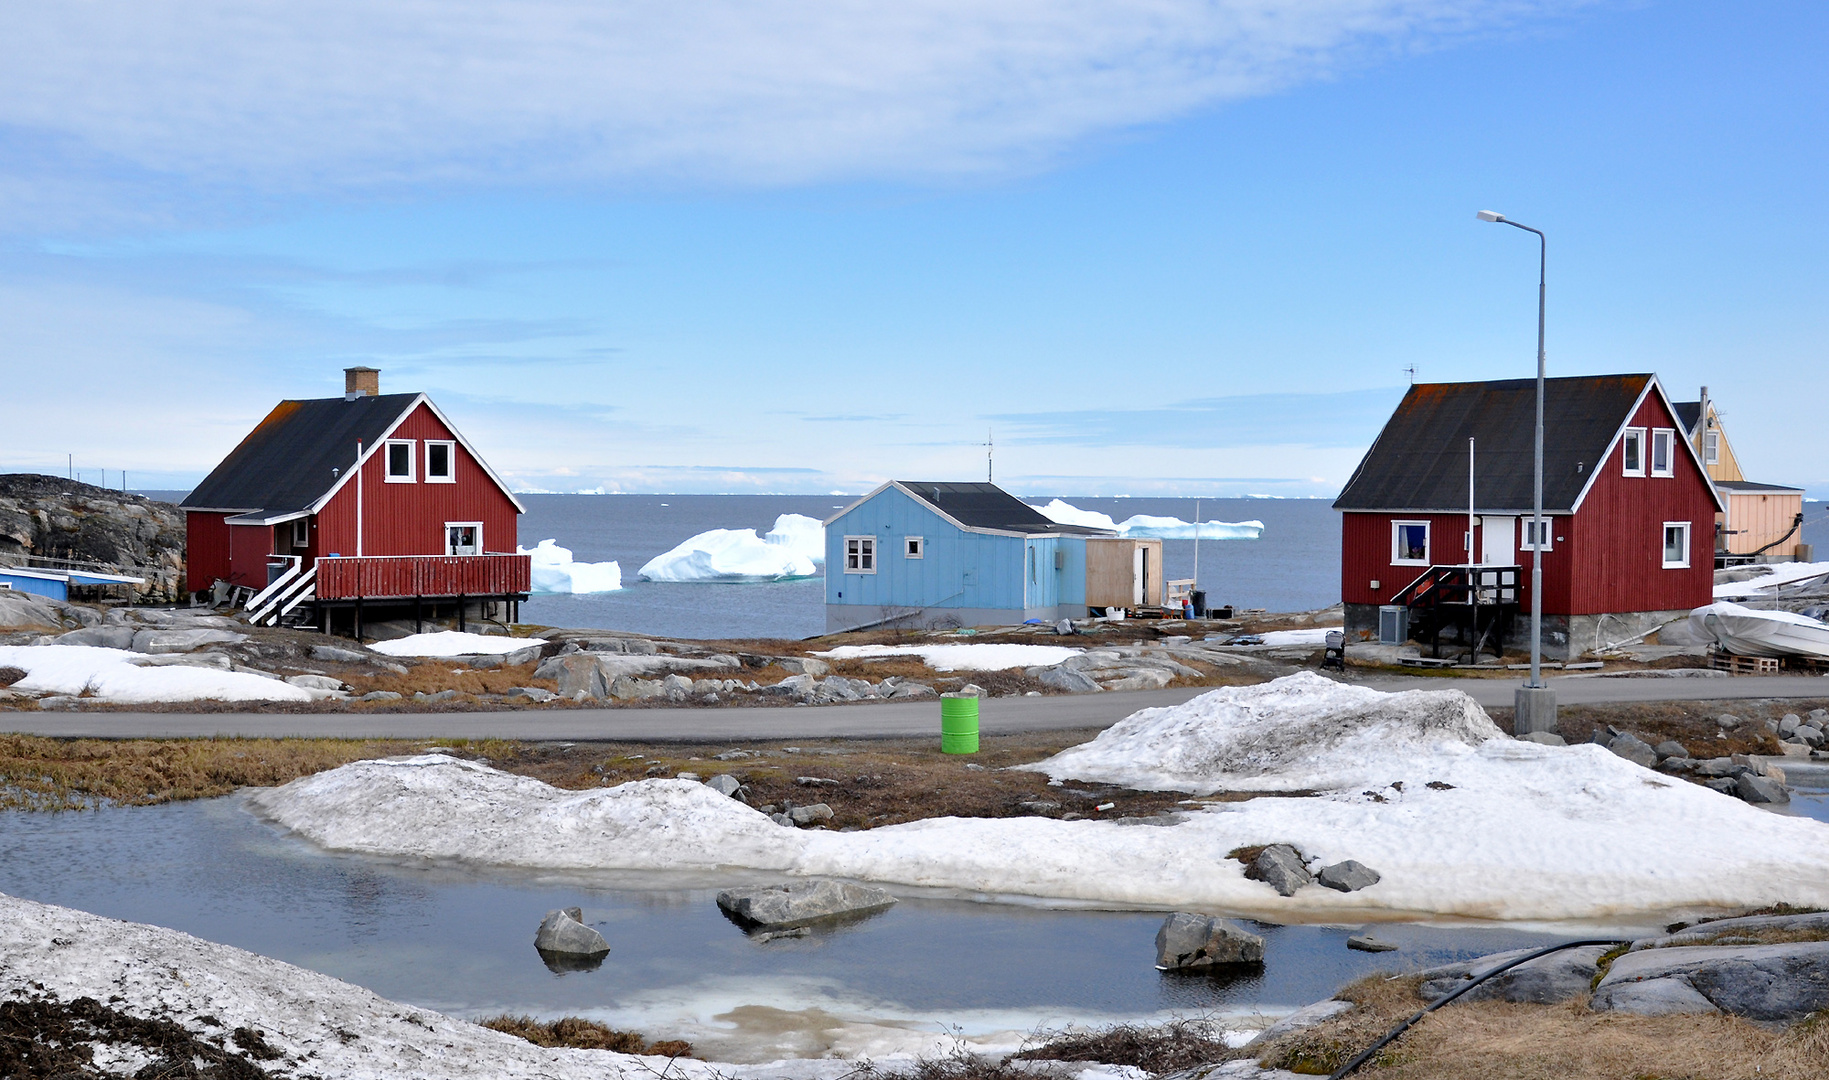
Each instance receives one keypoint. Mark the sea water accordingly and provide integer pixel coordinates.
(1293, 566)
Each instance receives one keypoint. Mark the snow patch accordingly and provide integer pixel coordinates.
(1306, 636)
(794, 548)
(555, 572)
(453, 643)
(961, 657)
(1780, 574)
(115, 675)
(1146, 525)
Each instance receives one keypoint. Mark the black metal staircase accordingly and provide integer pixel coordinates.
(1482, 599)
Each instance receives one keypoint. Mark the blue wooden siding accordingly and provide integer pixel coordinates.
(957, 569)
(55, 588)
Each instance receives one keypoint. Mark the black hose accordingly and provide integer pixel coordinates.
(1366, 1055)
(1795, 525)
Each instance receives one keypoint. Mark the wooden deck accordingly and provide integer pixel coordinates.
(382, 577)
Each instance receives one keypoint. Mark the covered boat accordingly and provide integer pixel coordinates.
(1746, 631)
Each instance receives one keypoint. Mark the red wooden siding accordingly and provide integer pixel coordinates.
(409, 519)
(1365, 549)
(249, 548)
(206, 549)
(439, 575)
(1618, 547)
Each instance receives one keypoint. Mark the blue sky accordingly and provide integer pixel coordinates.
(1167, 247)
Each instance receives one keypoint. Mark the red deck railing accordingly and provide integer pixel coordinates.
(379, 576)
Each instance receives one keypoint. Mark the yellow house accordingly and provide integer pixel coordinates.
(1763, 521)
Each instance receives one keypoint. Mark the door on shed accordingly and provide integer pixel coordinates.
(1500, 541)
(1139, 574)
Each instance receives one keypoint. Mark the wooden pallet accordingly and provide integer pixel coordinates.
(1811, 664)
(1743, 665)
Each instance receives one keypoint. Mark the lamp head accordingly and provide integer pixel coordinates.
(1490, 215)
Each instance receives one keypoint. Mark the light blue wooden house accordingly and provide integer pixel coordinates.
(934, 554)
(56, 584)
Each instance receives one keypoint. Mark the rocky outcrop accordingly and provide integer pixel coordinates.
(801, 903)
(1773, 983)
(1188, 940)
(1560, 976)
(65, 519)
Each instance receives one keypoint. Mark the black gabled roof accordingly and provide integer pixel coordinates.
(297, 453)
(1688, 412)
(987, 506)
(1419, 461)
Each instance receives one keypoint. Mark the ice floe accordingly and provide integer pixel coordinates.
(960, 657)
(794, 548)
(117, 675)
(454, 643)
(1146, 525)
(1460, 820)
(555, 572)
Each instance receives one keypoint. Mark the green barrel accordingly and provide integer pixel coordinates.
(959, 723)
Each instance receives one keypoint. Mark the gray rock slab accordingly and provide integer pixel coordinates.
(530, 693)
(336, 655)
(438, 698)
(1653, 997)
(563, 932)
(1066, 679)
(1281, 867)
(801, 903)
(1348, 876)
(577, 673)
(316, 682)
(176, 641)
(379, 695)
(1368, 943)
(1561, 976)
(1670, 748)
(106, 637)
(1544, 738)
(1190, 940)
(1760, 789)
(1814, 921)
(804, 665)
(1760, 982)
(1303, 1018)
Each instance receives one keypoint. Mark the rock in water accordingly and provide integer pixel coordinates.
(799, 903)
(563, 933)
(1348, 876)
(1281, 867)
(1188, 940)
(1368, 943)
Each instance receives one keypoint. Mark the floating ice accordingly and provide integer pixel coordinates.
(453, 643)
(1145, 525)
(555, 572)
(794, 548)
(115, 675)
(961, 657)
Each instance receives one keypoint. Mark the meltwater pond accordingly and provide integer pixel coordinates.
(459, 939)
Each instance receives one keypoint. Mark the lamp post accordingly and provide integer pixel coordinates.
(1535, 704)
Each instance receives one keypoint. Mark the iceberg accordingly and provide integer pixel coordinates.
(794, 548)
(554, 572)
(1146, 525)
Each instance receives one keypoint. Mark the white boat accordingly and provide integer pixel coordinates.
(1746, 631)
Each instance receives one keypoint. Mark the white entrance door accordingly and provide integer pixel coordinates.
(1139, 573)
(1500, 540)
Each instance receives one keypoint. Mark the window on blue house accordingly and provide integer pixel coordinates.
(913, 547)
(860, 554)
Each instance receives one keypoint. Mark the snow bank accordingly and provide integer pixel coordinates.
(794, 548)
(1146, 525)
(555, 572)
(961, 657)
(1316, 635)
(1781, 574)
(452, 643)
(115, 675)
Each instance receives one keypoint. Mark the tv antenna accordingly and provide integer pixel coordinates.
(1411, 371)
(989, 448)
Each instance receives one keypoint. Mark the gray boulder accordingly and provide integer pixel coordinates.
(1066, 679)
(676, 687)
(1727, 721)
(1368, 943)
(810, 815)
(176, 641)
(1633, 749)
(801, 903)
(1348, 876)
(438, 698)
(316, 682)
(106, 637)
(1187, 940)
(1557, 977)
(19, 609)
(1544, 738)
(804, 665)
(795, 686)
(379, 695)
(1281, 867)
(1760, 982)
(1653, 997)
(726, 784)
(563, 933)
(335, 655)
(575, 674)
(1670, 748)
(529, 693)
(1760, 789)
(1723, 784)
(904, 691)
(1789, 723)
(630, 688)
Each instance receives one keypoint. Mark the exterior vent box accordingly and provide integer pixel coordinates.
(1393, 624)
(1060, 559)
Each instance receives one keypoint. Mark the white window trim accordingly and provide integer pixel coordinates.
(1549, 534)
(1711, 447)
(914, 547)
(477, 525)
(1669, 525)
(1668, 436)
(387, 462)
(450, 446)
(1396, 531)
(856, 566)
(301, 526)
(1633, 433)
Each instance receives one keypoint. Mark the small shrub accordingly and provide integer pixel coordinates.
(578, 1034)
(1171, 1047)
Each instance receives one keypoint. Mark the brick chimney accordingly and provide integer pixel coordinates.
(361, 382)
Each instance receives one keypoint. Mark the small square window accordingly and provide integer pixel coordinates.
(913, 547)
(1632, 452)
(1410, 543)
(399, 453)
(1664, 452)
(1532, 529)
(301, 532)
(463, 538)
(1676, 545)
(440, 462)
(860, 554)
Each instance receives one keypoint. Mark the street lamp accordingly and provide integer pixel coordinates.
(1535, 704)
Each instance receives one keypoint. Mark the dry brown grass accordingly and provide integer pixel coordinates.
(430, 678)
(580, 1034)
(71, 774)
(1503, 1041)
(1162, 1048)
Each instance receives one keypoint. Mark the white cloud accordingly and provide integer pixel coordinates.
(301, 97)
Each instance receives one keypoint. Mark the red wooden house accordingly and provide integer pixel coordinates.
(369, 498)
(1630, 510)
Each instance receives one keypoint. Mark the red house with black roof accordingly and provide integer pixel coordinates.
(368, 498)
(1630, 508)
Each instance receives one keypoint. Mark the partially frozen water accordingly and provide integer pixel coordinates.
(460, 939)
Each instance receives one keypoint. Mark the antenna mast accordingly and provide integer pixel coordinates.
(989, 448)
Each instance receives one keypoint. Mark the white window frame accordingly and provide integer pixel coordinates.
(1633, 436)
(1668, 438)
(450, 446)
(914, 547)
(1664, 545)
(477, 525)
(1397, 528)
(387, 462)
(1711, 447)
(1549, 534)
(301, 532)
(858, 551)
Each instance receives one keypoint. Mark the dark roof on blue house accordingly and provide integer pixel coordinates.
(987, 506)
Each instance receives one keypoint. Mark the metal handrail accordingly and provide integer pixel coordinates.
(278, 584)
